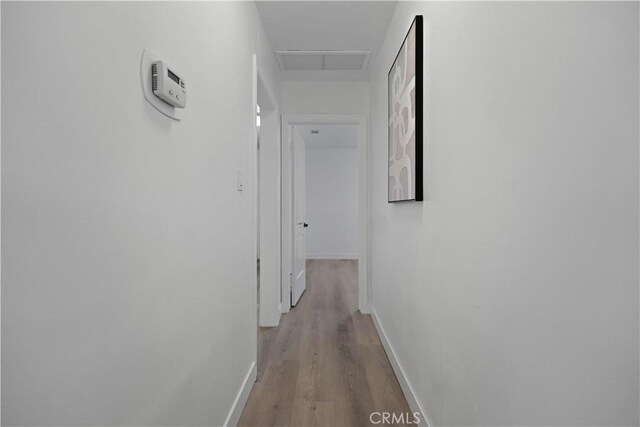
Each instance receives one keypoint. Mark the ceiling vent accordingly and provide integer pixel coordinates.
(323, 60)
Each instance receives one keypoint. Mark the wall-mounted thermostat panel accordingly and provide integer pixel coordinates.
(150, 84)
(168, 85)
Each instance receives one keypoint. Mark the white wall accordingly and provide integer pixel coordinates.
(325, 97)
(128, 287)
(510, 295)
(332, 202)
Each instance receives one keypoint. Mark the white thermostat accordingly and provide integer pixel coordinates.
(167, 85)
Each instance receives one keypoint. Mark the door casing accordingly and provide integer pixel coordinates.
(298, 284)
(288, 121)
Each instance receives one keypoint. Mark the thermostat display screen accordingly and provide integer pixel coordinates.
(173, 76)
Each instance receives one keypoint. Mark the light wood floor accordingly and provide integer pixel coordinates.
(324, 365)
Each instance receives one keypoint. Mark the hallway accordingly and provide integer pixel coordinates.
(479, 160)
(324, 365)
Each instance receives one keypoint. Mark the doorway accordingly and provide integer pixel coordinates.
(325, 193)
(297, 128)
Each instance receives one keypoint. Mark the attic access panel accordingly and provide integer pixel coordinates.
(323, 60)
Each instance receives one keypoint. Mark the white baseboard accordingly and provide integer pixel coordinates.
(272, 323)
(241, 397)
(273, 319)
(332, 256)
(412, 399)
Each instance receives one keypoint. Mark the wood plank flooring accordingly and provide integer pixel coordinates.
(324, 365)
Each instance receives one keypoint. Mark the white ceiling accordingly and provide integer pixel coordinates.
(326, 25)
(330, 136)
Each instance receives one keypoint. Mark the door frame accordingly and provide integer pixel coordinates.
(360, 120)
(262, 203)
(299, 162)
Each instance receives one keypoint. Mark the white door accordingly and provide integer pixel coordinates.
(299, 225)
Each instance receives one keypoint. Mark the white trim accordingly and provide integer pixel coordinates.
(288, 120)
(332, 256)
(241, 398)
(253, 153)
(286, 215)
(268, 202)
(409, 394)
(364, 250)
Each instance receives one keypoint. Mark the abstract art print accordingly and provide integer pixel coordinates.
(405, 118)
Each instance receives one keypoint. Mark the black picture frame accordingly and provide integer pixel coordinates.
(412, 50)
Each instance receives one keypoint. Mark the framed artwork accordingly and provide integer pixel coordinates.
(405, 118)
